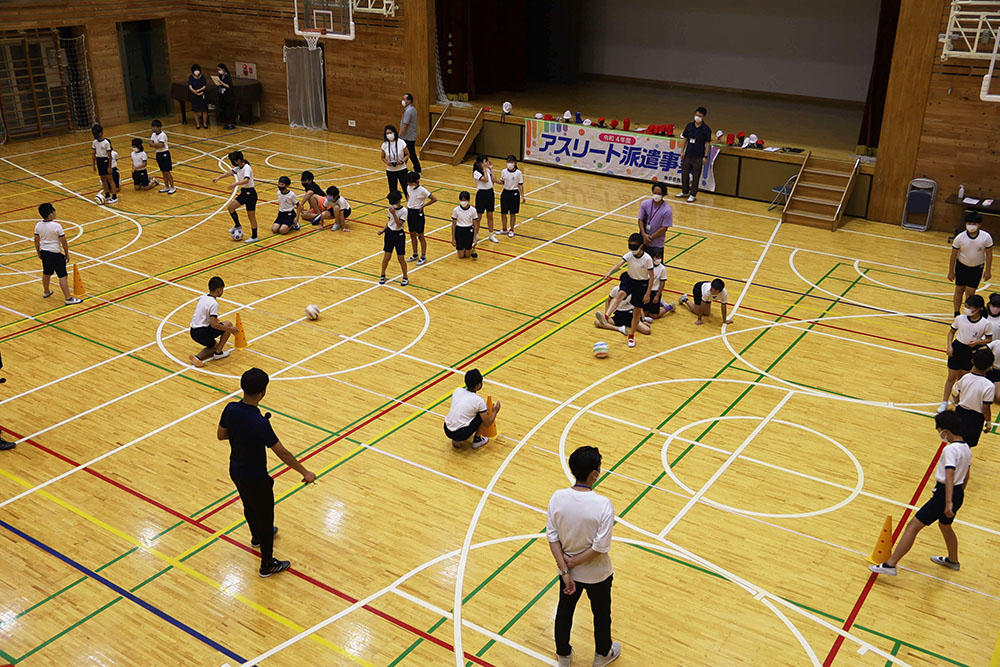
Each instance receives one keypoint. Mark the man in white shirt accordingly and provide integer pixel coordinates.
(579, 533)
(971, 260)
(469, 415)
(952, 476)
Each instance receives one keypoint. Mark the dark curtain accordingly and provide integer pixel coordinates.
(553, 46)
(871, 122)
(481, 46)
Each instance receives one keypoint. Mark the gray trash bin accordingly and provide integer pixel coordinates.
(919, 207)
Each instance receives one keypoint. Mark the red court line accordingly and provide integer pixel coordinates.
(35, 206)
(849, 622)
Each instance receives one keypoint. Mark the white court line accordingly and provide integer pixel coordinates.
(531, 192)
(82, 144)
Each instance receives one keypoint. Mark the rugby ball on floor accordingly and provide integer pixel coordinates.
(238, 234)
(312, 311)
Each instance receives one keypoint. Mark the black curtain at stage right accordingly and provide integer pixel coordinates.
(871, 123)
(481, 46)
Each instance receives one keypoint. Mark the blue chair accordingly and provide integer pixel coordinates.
(919, 208)
(781, 193)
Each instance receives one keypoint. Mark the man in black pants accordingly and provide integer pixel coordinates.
(579, 533)
(408, 130)
(698, 143)
(250, 435)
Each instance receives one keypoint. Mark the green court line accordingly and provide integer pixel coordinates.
(896, 291)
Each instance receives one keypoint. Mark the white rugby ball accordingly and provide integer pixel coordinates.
(312, 311)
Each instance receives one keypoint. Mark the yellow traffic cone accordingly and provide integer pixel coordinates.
(883, 548)
(491, 430)
(241, 338)
(78, 291)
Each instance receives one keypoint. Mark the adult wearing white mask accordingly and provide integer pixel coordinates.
(196, 95)
(408, 130)
(655, 218)
(698, 143)
(394, 155)
(971, 260)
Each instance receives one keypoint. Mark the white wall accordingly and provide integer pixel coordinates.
(818, 48)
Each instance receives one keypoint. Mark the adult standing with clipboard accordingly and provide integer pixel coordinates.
(227, 99)
(196, 95)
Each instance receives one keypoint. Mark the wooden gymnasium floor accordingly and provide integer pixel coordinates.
(751, 468)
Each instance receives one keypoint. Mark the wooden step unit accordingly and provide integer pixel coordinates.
(820, 192)
(452, 135)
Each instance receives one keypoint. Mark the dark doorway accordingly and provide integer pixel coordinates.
(143, 49)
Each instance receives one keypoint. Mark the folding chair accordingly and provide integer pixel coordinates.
(781, 193)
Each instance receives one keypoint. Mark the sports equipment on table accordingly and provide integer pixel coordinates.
(601, 349)
(312, 311)
(238, 234)
(99, 198)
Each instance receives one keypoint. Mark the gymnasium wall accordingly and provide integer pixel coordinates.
(814, 48)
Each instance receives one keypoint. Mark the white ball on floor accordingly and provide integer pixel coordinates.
(237, 234)
(99, 198)
(601, 349)
(312, 311)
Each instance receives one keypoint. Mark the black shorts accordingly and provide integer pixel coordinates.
(993, 375)
(415, 220)
(465, 432)
(247, 197)
(286, 218)
(116, 175)
(486, 201)
(510, 201)
(961, 357)
(394, 241)
(103, 166)
(205, 336)
(622, 318)
(696, 292)
(972, 424)
(346, 212)
(653, 307)
(636, 289)
(140, 178)
(968, 276)
(933, 509)
(53, 262)
(464, 237)
(164, 162)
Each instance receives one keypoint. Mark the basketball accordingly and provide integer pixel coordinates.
(312, 311)
(600, 349)
(99, 197)
(237, 234)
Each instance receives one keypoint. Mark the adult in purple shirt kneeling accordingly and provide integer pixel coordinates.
(655, 217)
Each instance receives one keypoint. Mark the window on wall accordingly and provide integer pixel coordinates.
(33, 96)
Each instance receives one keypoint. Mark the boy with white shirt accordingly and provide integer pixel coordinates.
(512, 195)
(247, 197)
(53, 250)
(206, 326)
(971, 259)
(578, 529)
(464, 227)
(621, 318)
(635, 282)
(288, 203)
(140, 177)
(469, 415)
(332, 205)
(952, 477)
(973, 396)
(102, 163)
(704, 293)
(395, 237)
(966, 334)
(158, 140)
(418, 198)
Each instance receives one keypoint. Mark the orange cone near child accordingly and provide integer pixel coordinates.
(883, 548)
(78, 291)
(241, 338)
(491, 430)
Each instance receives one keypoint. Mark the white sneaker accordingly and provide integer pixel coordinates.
(691, 198)
(943, 560)
(493, 237)
(72, 301)
(602, 660)
(623, 330)
(251, 239)
(647, 319)
(883, 569)
(221, 355)
(412, 258)
(163, 190)
(680, 195)
(631, 341)
(171, 191)
(943, 406)
(336, 226)
(564, 660)
(684, 298)
(479, 441)
(232, 229)
(510, 234)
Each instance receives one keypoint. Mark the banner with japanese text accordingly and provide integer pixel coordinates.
(606, 151)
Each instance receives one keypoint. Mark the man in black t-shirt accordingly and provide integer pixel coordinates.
(250, 435)
(697, 144)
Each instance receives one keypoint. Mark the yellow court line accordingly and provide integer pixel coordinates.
(178, 564)
(995, 660)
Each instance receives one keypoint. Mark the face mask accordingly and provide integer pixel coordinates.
(197, 73)
(222, 72)
(657, 198)
(511, 166)
(657, 261)
(941, 435)
(972, 229)
(966, 311)
(698, 119)
(390, 136)
(637, 252)
(403, 102)
(465, 205)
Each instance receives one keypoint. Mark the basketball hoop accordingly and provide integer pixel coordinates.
(312, 39)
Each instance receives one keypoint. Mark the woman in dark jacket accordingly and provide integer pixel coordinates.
(227, 100)
(196, 95)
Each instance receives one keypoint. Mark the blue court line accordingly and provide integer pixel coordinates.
(124, 593)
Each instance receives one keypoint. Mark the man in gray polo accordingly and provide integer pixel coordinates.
(408, 130)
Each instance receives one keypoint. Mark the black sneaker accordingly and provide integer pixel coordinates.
(5, 445)
(275, 567)
(257, 546)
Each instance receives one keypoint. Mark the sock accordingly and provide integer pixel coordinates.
(236, 217)
(253, 233)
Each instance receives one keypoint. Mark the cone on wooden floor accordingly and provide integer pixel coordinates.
(241, 338)
(78, 291)
(883, 548)
(491, 430)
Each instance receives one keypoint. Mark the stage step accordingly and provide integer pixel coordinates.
(821, 192)
(452, 134)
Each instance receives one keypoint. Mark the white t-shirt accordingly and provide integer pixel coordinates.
(162, 139)
(206, 307)
(968, 331)
(114, 159)
(481, 184)
(287, 201)
(659, 277)
(416, 196)
(994, 347)
(973, 391)
(994, 322)
(49, 232)
(246, 171)
(101, 147)
(580, 520)
(465, 405)
(464, 217)
(394, 153)
(625, 306)
(511, 179)
(972, 251)
(401, 214)
(139, 158)
(342, 203)
(706, 293)
(638, 267)
(957, 455)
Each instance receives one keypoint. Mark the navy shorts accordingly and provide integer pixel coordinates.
(103, 166)
(636, 289)
(965, 276)
(415, 220)
(486, 201)
(116, 175)
(53, 262)
(972, 424)
(394, 241)
(961, 357)
(622, 318)
(465, 432)
(205, 336)
(653, 307)
(140, 178)
(286, 218)
(164, 162)
(510, 201)
(933, 509)
(464, 237)
(248, 198)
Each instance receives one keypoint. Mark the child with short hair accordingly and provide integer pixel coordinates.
(418, 198)
(288, 201)
(52, 248)
(335, 207)
(140, 177)
(469, 414)
(967, 332)
(704, 293)
(312, 190)
(102, 164)
(512, 195)
(482, 173)
(621, 317)
(158, 140)
(116, 176)
(973, 395)
(992, 314)
(656, 308)
(395, 237)
(952, 476)
(248, 194)
(464, 227)
(635, 282)
(206, 326)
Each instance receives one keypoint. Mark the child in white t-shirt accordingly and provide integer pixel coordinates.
(140, 176)
(469, 414)
(418, 198)
(102, 164)
(704, 293)
(635, 282)
(52, 249)
(158, 140)
(288, 202)
(464, 227)
(395, 237)
(206, 326)
(512, 195)
(333, 206)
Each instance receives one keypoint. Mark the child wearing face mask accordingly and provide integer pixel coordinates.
(288, 201)
(482, 173)
(971, 259)
(418, 198)
(636, 282)
(196, 95)
(394, 155)
(656, 308)
(464, 227)
(967, 332)
(395, 237)
(247, 197)
(512, 195)
(992, 314)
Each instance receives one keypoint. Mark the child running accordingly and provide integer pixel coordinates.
(334, 207)
(248, 193)
(158, 140)
(704, 294)
(102, 164)
(967, 332)
(395, 237)
(288, 202)
(140, 177)
(206, 326)
(512, 195)
(418, 198)
(464, 227)
(621, 317)
(482, 173)
(53, 250)
(635, 282)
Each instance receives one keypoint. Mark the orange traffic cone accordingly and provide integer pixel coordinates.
(491, 430)
(78, 291)
(241, 338)
(883, 548)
